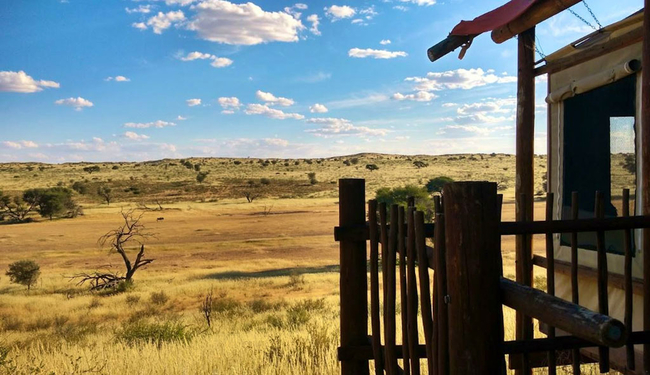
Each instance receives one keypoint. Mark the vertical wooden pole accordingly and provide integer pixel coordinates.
(550, 278)
(441, 289)
(575, 291)
(629, 299)
(473, 274)
(353, 279)
(425, 290)
(389, 303)
(412, 297)
(645, 177)
(603, 304)
(374, 287)
(401, 246)
(525, 129)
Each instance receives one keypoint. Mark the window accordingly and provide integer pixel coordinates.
(599, 154)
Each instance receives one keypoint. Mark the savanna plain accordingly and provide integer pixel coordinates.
(251, 245)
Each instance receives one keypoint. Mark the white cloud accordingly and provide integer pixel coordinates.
(117, 79)
(420, 2)
(181, 118)
(77, 103)
(383, 42)
(139, 25)
(317, 108)
(217, 62)
(457, 79)
(229, 103)
(420, 96)
(492, 106)
(331, 127)
(448, 105)
(20, 144)
(140, 9)
(315, 21)
(375, 53)
(243, 24)
(193, 102)
(145, 125)
(336, 12)
(163, 21)
(368, 13)
(135, 136)
(265, 110)
(21, 82)
(314, 78)
(179, 2)
(228, 112)
(271, 99)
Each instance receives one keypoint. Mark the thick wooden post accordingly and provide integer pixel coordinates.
(473, 274)
(645, 178)
(353, 284)
(524, 180)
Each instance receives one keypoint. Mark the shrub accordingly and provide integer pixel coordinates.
(24, 272)
(80, 187)
(200, 177)
(158, 298)
(435, 184)
(420, 164)
(296, 280)
(372, 167)
(265, 181)
(155, 333)
(354, 160)
(236, 162)
(226, 305)
(91, 169)
(132, 299)
(312, 178)
(400, 195)
(346, 162)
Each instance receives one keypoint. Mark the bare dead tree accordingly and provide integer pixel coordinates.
(98, 280)
(206, 307)
(132, 230)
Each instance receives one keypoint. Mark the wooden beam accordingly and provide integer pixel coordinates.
(538, 12)
(611, 45)
(353, 281)
(447, 45)
(473, 277)
(645, 177)
(525, 138)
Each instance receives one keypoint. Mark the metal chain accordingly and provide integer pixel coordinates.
(539, 51)
(580, 17)
(592, 14)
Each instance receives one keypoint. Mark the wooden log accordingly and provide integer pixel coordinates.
(374, 287)
(473, 274)
(447, 45)
(550, 279)
(389, 315)
(401, 249)
(525, 139)
(412, 290)
(567, 316)
(353, 282)
(537, 13)
(603, 306)
(627, 274)
(425, 291)
(645, 172)
(592, 52)
(441, 290)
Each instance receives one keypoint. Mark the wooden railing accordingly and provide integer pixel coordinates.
(461, 306)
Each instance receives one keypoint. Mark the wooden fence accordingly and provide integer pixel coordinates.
(461, 306)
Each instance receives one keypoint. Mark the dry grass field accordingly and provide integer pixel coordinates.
(272, 265)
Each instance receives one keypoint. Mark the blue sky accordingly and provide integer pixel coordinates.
(141, 80)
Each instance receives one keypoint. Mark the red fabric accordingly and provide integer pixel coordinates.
(493, 19)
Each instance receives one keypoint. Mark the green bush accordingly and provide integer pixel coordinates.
(400, 195)
(158, 298)
(435, 184)
(24, 272)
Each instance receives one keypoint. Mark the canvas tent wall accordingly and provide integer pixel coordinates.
(595, 143)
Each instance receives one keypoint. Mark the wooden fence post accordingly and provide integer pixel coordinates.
(353, 279)
(473, 274)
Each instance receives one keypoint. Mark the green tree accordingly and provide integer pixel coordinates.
(24, 272)
(80, 187)
(312, 178)
(106, 193)
(400, 195)
(14, 208)
(55, 201)
(435, 184)
(200, 177)
(91, 169)
(371, 167)
(420, 164)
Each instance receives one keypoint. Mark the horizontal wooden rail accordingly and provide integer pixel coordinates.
(509, 228)
(575, 319)
(615, 280)
(364, 352)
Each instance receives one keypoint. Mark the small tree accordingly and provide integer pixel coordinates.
(91, 169)
(200, 177)
(372, 167)
(106, 193)
(312, 178)
(80, 187)
(435, 184)
(400, 195)
(420, 164)
(55, 201)
(24, 272)
(15, 208)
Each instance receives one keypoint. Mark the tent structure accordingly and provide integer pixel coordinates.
(598, 140)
